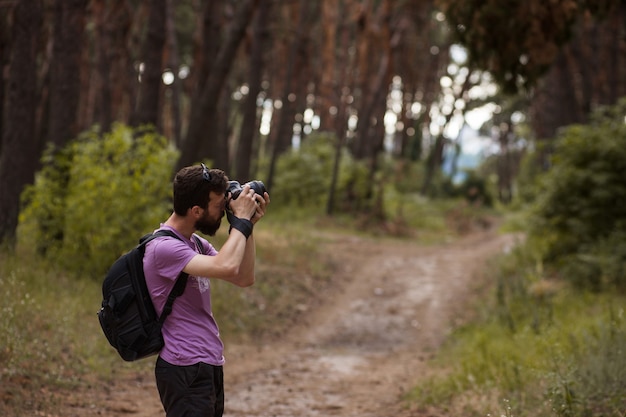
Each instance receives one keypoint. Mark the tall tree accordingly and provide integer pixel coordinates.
(20, 147)
(376, 51)
(4, 60)
(419, 65)
(102, 68)
(109, 86)
(173, 62)
(148, 107)
(67, 41)
(363, 41)
(293, 62)
(249, 126)
(327, 93)
(200, 141)
(587, 72)
(537, 30)
(344, 82)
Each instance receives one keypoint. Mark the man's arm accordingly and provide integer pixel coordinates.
(246, 275)
(235, 262)
(225, 265)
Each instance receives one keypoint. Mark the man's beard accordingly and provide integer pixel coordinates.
(208, 226)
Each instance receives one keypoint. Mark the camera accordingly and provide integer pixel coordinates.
(235, 188)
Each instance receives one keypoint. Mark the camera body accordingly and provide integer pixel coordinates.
(235, 188)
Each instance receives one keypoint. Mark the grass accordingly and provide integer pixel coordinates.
(49, 332)
(51, 340)
(291, 271)
(546, 349)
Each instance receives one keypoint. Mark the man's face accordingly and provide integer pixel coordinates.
(211, 218)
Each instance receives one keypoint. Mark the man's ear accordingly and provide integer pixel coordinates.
(196, 212)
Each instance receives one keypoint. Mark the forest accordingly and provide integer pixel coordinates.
(240, 83)
(345, 109)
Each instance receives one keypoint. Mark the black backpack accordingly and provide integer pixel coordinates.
(127, 316)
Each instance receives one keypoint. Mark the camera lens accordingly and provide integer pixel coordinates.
(234, 188)
(258, 187)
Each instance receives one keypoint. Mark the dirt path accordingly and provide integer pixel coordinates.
(357, 355)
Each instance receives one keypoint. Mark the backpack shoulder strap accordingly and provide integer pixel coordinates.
(181, 281)
(199, 244)
(177, 290)
(161, 233)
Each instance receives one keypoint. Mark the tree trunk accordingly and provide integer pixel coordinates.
(206, 45)
(148, 106)
(371, 129)
(587, 72)
(340, 127)
(504, 165)
(174, 66)
(206, 41)
(435, 158)
(21, 149)
(110, 84)
(364, 67)
(285, 124)
(223, 128)
(100, 98)
(249, 126)
(433, 163)
(616, 54)
(328, 94)
(127, 90)
(4, 62)
(68, 29)
(199, 142)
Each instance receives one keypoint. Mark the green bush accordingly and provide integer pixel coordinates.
(530, 171)
(474, 189)
(547, 350)
(581, 204)
(93, 199)
(305, 174)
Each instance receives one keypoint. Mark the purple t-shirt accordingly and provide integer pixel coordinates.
(190, 332)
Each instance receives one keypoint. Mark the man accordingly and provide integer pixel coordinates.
(188, 371)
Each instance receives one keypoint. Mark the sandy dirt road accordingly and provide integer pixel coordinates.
(357, 354)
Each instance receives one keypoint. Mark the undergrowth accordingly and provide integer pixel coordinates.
(50, 339)
(51, 342)
(49, 334)
(539, 346)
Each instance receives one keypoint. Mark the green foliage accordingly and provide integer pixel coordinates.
(93, 200)
(304, 175)
(593, 384)
(50, 336)
(536, 29)
(548, 350)
(558, 351)
(475, 189)
(579, 217)
(51, 340)
(526, 181)
(407, 176)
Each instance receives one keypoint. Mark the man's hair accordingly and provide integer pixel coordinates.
(193, 184)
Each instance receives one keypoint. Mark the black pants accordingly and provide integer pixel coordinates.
(190, 391)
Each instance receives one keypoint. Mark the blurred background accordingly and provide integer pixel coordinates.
(410, 119)
(417, 93)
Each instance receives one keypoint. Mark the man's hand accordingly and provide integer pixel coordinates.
(261, 207)
(245, 206)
